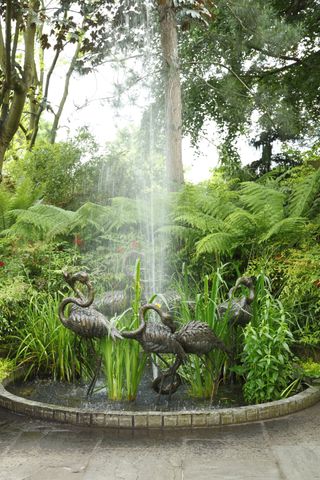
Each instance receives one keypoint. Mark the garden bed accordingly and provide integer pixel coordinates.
(150, 419)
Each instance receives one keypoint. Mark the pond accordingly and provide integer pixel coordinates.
(74, 395)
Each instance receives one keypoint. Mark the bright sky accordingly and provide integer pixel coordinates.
(85, 107)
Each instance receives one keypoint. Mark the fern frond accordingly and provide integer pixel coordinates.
(288, 229)
(304, 194)
(200, 221)
(178, 231)
(241, 223)
(42, 218)
(261, 199)
(219, 242)
(90, 214)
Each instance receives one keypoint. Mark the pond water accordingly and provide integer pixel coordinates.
(74, 395)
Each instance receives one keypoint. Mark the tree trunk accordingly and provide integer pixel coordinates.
(173, 106)
(11, 124)
(17, 82)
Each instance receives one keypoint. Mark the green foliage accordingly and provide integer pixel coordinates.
(48, 221)
(267, 358)
(254, 57)
(22, 197)
(14, 294)
(26, 271)
(60, 173)
(123, 360)
(310, 369)
(204, 375)
(294, 273)
(6, 367)
(43, 345)
(245, 221)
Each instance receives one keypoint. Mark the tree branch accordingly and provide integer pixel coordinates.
(2, 50)
(44, 99)
(15, 40)
(65, 93)
(273, 55)
(8, 71)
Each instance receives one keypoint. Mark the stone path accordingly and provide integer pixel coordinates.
(284, 449)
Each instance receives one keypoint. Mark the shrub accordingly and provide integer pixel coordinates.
(267, 359)
(6, 367)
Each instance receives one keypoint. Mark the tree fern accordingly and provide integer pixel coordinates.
(241, 223)
(287, 230)
(219, 242)
(49, 221)
(43, 220)
(304, 195)
(261, 199)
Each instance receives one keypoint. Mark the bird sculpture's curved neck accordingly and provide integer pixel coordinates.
(135, 333)
(80, 302)
(251, 295)
(247, 283)
(166, 318)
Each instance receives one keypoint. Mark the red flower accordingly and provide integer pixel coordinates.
(2, 264)
(78, 241)
(134, 244)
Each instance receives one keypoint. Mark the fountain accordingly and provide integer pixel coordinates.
(194, 338)
(160, 336)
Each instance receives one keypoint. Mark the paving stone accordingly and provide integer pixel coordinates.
(286, 448)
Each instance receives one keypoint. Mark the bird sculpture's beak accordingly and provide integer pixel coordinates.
(115, 334)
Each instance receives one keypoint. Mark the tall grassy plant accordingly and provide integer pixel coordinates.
(203, 374)
(43, 345)
(123, 360)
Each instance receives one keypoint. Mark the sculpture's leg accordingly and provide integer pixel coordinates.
(96, 371)
(174, 386)
(158, 383)
(159, 379)
(163, 360)
(75, 349)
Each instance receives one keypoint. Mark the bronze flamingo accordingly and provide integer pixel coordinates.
(84, 320)
(238, 309)
(194, 337)
(113, 302)
(157, 337)
(198, 338)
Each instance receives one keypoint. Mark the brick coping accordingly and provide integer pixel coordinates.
(150, 419)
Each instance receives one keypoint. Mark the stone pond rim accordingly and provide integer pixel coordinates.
(150, 419)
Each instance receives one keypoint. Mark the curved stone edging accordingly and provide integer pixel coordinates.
(186, 419)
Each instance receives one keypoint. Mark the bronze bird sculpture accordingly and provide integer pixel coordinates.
(238, 309)
(157, 337)
(113, 302)
(195, 337)
(116, 301)
(83, 320)
(198, 338)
